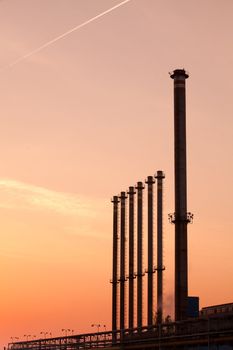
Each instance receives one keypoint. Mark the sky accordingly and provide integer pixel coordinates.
(89, 116)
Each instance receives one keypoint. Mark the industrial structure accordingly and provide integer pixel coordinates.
(154, 315)
(115, 259)
(122, 278)
(160, 267)
(139, 274)
(212, 327)
(204, 333)
(131, 276)
(180, 218)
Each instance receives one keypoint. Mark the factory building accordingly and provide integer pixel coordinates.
(216, 310)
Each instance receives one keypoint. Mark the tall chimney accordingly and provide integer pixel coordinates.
(159, 176)
(122, 262)
(180, 218)
(140, 274)
(115, 202)
(150, 270)
(131, 194)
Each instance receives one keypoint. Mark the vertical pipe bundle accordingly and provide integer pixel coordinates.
(131, 194)
(121, 253)
(180, 217)
(139, 188)
(150, 271)
(115, 202)
(159, 176)
(122, 261)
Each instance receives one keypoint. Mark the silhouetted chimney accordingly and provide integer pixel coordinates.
(180, 217)
(122, 261)
(114, 281)
(150, 269)
(140, 274)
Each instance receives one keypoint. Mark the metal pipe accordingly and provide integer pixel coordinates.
(131, 277)
(180, 217)
(159, 176)
(115, 202)
(140, 274)
(150, 270)
(122, 262)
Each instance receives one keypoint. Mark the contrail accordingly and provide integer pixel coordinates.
(40, 48)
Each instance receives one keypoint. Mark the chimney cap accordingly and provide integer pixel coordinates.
(150, 180)
(115, 199)
(131, 190)
(139, 185)
(179, 72)
(123, 195)
(160, 174)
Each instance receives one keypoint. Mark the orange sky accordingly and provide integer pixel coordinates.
(89, 116)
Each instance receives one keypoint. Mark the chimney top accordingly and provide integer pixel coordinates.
(177, 73)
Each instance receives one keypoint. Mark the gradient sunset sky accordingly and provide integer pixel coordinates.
(89, 116)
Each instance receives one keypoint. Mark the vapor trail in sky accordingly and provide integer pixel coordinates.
(40, 48)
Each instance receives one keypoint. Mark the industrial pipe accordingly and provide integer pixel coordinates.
(122, 261)
(150, 269)
(114, 281)
(140, 273)
(159, 176)
(180, 218)
(131, 276)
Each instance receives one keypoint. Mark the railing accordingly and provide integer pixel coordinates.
(201, 327)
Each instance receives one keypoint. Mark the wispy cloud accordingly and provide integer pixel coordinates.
(39, 218)
(14, 193)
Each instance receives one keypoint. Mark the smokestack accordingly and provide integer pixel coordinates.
(180, 218)
(140, 274)
(150, 271)
(114, 281)
(131, 277)
(160, 176)
(122, 262)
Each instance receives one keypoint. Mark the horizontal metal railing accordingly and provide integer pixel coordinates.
(201, 327)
